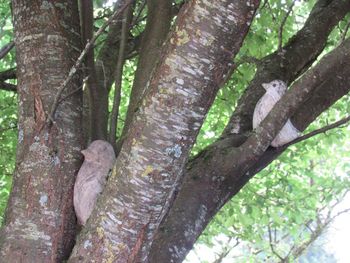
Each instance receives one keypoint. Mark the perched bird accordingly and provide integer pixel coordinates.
(274, 92)
(91, 178)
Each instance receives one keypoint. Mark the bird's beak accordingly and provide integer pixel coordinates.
(265, 86)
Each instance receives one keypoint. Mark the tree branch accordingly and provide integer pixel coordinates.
(284, 20)
(157, 28)
(79, 61)
(8, 86)
(273, 250)
(5, 75)
(6, 49)
(299, 53)
(8, 74)
(318, 131)
(127, 19)
(345, 31)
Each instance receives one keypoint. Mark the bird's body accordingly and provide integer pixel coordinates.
(274, 92)
(91, 178)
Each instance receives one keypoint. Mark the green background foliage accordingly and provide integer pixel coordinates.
(8, 112)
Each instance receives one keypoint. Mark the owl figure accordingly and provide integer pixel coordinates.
(92, 177)
(274, 92)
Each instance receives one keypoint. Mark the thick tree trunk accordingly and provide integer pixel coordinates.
(197, 58)
(40, 221)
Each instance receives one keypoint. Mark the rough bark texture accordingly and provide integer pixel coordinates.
(206, 185)
(40, 221)
(97, 95)
(149, 167)
(157, 27)
(101, 76)
(107, 58)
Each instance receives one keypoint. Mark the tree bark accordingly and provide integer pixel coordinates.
(97, 97)
(157, 28)
(40, 220)
(196, 60)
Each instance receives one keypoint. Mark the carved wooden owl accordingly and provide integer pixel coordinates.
(91, 178)
(274, 92)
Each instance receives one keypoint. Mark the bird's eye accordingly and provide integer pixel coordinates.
(274, 85)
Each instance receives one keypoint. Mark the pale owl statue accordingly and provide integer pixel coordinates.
(91, 178)
(274, 92)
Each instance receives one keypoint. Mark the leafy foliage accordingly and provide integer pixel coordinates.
(8, 110)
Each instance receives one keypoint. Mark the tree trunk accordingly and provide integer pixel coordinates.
(196, 59)
(40, 223)
(157, 28)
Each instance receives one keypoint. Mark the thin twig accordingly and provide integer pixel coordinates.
(345, 32)
(8, 86)
(137, 17)
(280, 31)
(271, 244)
(271, 11)
(74, 91)
(8, 74)
(248, 60)
(318, 131)
(6, 49)
(80, 59)
(264, 4)
(8, 128)
(118, 79)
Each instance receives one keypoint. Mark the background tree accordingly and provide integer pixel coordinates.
(157, 201)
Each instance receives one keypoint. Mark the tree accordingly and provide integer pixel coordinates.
(157, 201)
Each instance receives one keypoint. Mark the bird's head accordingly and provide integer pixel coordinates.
(101, 152)
(275, 86)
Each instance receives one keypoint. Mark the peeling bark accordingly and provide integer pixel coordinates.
(40, 221)
(149, 167)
